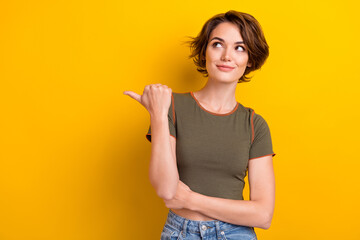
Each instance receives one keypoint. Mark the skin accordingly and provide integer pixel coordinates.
(218, 96)
(163, 172)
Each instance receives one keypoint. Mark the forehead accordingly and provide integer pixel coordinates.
(227, 31)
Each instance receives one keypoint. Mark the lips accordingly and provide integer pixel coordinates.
(225, 68)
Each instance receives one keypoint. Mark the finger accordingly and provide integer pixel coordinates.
(135, 96)
(155, 85)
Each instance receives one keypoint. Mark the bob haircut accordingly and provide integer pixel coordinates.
(251, 32)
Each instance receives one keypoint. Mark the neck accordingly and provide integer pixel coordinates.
(218, 95)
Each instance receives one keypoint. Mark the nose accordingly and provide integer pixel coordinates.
(225, 55)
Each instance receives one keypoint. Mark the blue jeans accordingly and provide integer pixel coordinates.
(178, 228)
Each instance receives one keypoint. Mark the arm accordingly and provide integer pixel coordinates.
(257, 212)
(163, 172)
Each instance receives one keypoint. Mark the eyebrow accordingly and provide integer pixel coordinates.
(222, 40)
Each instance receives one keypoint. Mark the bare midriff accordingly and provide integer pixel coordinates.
(192, 215)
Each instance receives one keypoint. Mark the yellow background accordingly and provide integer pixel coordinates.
(74, 157)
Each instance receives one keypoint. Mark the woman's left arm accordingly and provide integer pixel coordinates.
(257, 212)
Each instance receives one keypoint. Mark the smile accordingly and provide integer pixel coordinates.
(224, 68)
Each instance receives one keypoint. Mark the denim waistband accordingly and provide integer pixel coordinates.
(184, 224)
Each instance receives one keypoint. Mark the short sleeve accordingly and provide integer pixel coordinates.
(171, 118)
(261, 142)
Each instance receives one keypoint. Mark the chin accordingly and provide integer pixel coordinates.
(224, 78)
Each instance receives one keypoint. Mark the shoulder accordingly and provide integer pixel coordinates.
(181, 99)
(178, 95)
(255, 117)
(258, 119)
(257, 123)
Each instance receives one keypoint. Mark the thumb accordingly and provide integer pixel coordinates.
(135, 96)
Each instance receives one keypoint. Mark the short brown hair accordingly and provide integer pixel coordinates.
(251, 32)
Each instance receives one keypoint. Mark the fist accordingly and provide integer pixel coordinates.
(156, 98)
(181, 198)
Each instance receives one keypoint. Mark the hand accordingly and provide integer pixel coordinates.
(156, 98)
(181, 198)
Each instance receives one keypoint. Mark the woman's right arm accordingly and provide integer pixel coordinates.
(163, 172)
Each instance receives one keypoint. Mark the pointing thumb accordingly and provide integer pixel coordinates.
(135, 96)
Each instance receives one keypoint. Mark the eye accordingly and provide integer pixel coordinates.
(215, 43)
(241, 47)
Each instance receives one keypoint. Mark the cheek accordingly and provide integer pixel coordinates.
(208, 67)
(207, 56)
(210, 63)
(212, 53)
(209, 59)
(242, 62)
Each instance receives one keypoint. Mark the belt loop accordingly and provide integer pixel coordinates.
(184, 228)
(218, 230)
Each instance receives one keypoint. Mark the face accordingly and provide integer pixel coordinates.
(226, 54)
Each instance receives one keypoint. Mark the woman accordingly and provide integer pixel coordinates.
(204, 142)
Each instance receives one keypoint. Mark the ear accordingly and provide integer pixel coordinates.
(248, 64)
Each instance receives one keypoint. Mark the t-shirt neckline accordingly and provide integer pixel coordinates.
(213, 113)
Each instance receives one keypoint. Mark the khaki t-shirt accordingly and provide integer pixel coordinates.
(213, 150)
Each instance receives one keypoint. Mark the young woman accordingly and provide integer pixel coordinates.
(203, 143)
